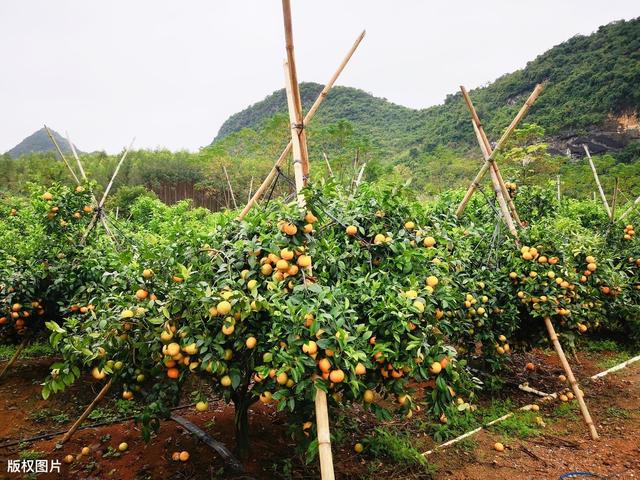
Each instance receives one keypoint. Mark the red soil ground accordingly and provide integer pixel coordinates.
(563, 446)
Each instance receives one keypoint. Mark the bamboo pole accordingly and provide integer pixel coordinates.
(296, 138)
(250, 189)
(295, 88)
(630, 209)
(14, 357)
(87, 411)
(597, 179)
(326, 160)
(84, 177)
(312, 111)
(359, 179)
(75, 155)
(572, 380)
(620, 366)
(233, 197)
(64, 159)
(502, 203)
(300, 163)
(482, 139)
(97, 215)
(526, 388)
(546, 397)
(324, 436)
(614, 199)
(503, 139)
(115, 174)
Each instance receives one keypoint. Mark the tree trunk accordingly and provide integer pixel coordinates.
(242, 428)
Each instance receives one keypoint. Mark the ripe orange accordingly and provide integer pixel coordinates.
(286, 254)
(336, 376)
(282, 378)
(435, 368)
(310, 218)
(429, 242)
(184, 456)
(223, 307)
(310, 347)
(141, 294)
(324, 365)
(266, 269)
(282, 265)
(352, 230)
(127, 395)
(498, 447)
(290, 229)
(173, 373)
(251, 343)
(360, 369)
(304, 261)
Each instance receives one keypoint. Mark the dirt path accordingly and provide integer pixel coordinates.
(563, 446)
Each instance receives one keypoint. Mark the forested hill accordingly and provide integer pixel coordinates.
(590, 80)
(39, 142)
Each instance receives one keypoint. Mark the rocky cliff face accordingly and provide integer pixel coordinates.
(615, 134)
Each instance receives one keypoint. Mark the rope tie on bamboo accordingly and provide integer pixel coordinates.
(298, 126)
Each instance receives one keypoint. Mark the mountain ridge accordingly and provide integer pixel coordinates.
(39, 142)
(591, 79)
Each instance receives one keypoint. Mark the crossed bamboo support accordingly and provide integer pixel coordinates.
(301, 170)
(314, 108)
(597, 179)
(490, 159)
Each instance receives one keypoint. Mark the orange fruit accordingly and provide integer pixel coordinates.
(360, 369)
(184, 456)
(173, 373)
(290, 229)
(304, 261)
(351, 230)
(251, 342)
(336, 376)
(324, 365)
(141, 294)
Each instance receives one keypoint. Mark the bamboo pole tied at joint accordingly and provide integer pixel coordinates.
(314, 108)
(501, 142)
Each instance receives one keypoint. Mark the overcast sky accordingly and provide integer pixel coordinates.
(170, 72)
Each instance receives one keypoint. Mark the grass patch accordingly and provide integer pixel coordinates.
(613, 360)
(467, 445)
(33, 350)
(617, 412)
(519, 425)
(597, 346)
(31, 455)
(46, 414)
(567, 410)
(389, 445)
